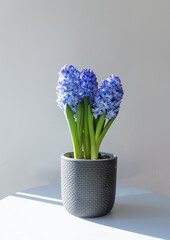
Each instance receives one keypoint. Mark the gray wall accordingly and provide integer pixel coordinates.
(128, 38)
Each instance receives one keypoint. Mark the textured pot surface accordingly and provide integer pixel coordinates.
(88, 186)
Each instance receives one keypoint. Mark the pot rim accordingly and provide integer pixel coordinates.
(112, 156)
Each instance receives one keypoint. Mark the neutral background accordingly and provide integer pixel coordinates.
(129, 38)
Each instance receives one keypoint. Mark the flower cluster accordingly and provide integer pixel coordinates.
(108, 98)
(69, 89)
(89, 84)
(73, 86)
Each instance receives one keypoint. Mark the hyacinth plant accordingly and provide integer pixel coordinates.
(89, 110)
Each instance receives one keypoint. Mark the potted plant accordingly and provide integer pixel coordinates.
(88, 177)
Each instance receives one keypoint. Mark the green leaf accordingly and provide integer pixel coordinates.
(73, 129)
(79, 117)
(103, 133)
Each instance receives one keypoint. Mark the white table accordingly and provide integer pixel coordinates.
(38, 214)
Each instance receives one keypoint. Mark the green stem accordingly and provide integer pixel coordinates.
(86, 130)
(94, 152)
(79, 122)
(100, 124)
(95, 121)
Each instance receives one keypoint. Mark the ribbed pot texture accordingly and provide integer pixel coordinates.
(88, 186)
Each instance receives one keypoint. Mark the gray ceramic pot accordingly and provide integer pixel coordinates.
(88, 186)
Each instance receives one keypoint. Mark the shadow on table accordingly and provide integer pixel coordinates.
(143, 214)
(51, 195)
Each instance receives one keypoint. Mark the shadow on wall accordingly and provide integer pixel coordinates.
(135, 210)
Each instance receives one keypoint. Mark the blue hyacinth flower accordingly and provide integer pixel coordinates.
(89, 84)
(108, 98)
(69, 89)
